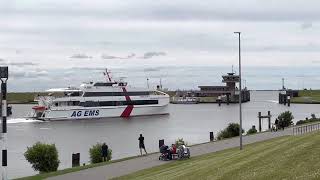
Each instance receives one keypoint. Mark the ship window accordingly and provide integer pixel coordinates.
(91, 104)
(137, 93)
(104, 84)
(74, 103)
(75, 94)
(118, 103)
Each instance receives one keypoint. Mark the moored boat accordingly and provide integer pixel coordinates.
(184, 100)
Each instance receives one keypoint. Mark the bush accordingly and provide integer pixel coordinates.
(285, 119)
(43, 157)
(96, 153)
(253, 130)
(312, 119)
(301, 122)
(180, 142)
(231, 131)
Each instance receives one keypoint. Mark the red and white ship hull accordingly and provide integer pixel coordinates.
(104, 112)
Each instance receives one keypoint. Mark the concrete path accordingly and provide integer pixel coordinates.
(133, 165)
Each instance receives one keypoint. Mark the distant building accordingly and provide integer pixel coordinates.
(229, 92)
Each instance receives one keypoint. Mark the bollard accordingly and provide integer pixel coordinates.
(269, 120)
(280, 100)
(288, 98)
(228, 99)
(75, 159)
(259, 115)
(161, 142)
(211, 136)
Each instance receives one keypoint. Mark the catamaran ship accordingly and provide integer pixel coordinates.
(100, 100)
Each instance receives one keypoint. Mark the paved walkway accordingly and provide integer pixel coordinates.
(133, 165)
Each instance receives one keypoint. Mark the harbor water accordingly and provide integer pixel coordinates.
(192, 122)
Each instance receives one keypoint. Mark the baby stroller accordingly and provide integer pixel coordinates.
(183, 152)
(165, 153)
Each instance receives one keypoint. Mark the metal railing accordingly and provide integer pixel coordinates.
(298, 130)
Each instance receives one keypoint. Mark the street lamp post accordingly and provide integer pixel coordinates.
(240, 93)
(3, 111)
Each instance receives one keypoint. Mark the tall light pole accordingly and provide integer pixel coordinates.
(3, 110)
(240, 93)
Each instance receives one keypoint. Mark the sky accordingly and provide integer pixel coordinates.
(38, 39)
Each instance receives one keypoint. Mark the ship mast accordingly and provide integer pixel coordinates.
(107, 75)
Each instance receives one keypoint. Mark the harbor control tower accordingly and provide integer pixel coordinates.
(231, 79)
(229, 92)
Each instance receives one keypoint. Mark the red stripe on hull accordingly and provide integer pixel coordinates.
(126, 113)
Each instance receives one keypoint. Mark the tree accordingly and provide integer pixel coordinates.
(231, 131)
(96, 153)
(43, 157)
(253, 130)
(180, 142)
(285, 119)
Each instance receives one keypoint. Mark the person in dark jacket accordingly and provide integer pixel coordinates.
(277, 124)
(141, 144)
(104, 150)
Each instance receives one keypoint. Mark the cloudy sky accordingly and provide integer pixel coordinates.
(38, 38)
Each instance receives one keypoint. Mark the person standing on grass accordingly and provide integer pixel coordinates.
(104, 149)
(141, 144)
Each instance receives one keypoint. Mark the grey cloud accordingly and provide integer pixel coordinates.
(105, 56)
(22, 64)
(149, 55)
(306, 25)
(29, 74)
(80, 56)
(88, 68)
(250, 10)
(151, 69)
(306, 47)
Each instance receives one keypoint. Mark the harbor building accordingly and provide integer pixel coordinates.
(227, 93)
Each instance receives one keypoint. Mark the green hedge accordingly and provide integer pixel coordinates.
(43, 157)
(232, 130)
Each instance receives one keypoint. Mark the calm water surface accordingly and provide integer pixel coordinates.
(191, 122)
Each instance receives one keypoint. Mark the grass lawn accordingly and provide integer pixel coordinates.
(307, 96)
(290, 157)
(21, 98)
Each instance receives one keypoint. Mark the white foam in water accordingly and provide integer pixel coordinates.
(272, 101)
(21, 120)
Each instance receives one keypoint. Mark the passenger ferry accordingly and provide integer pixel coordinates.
(100, 100)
